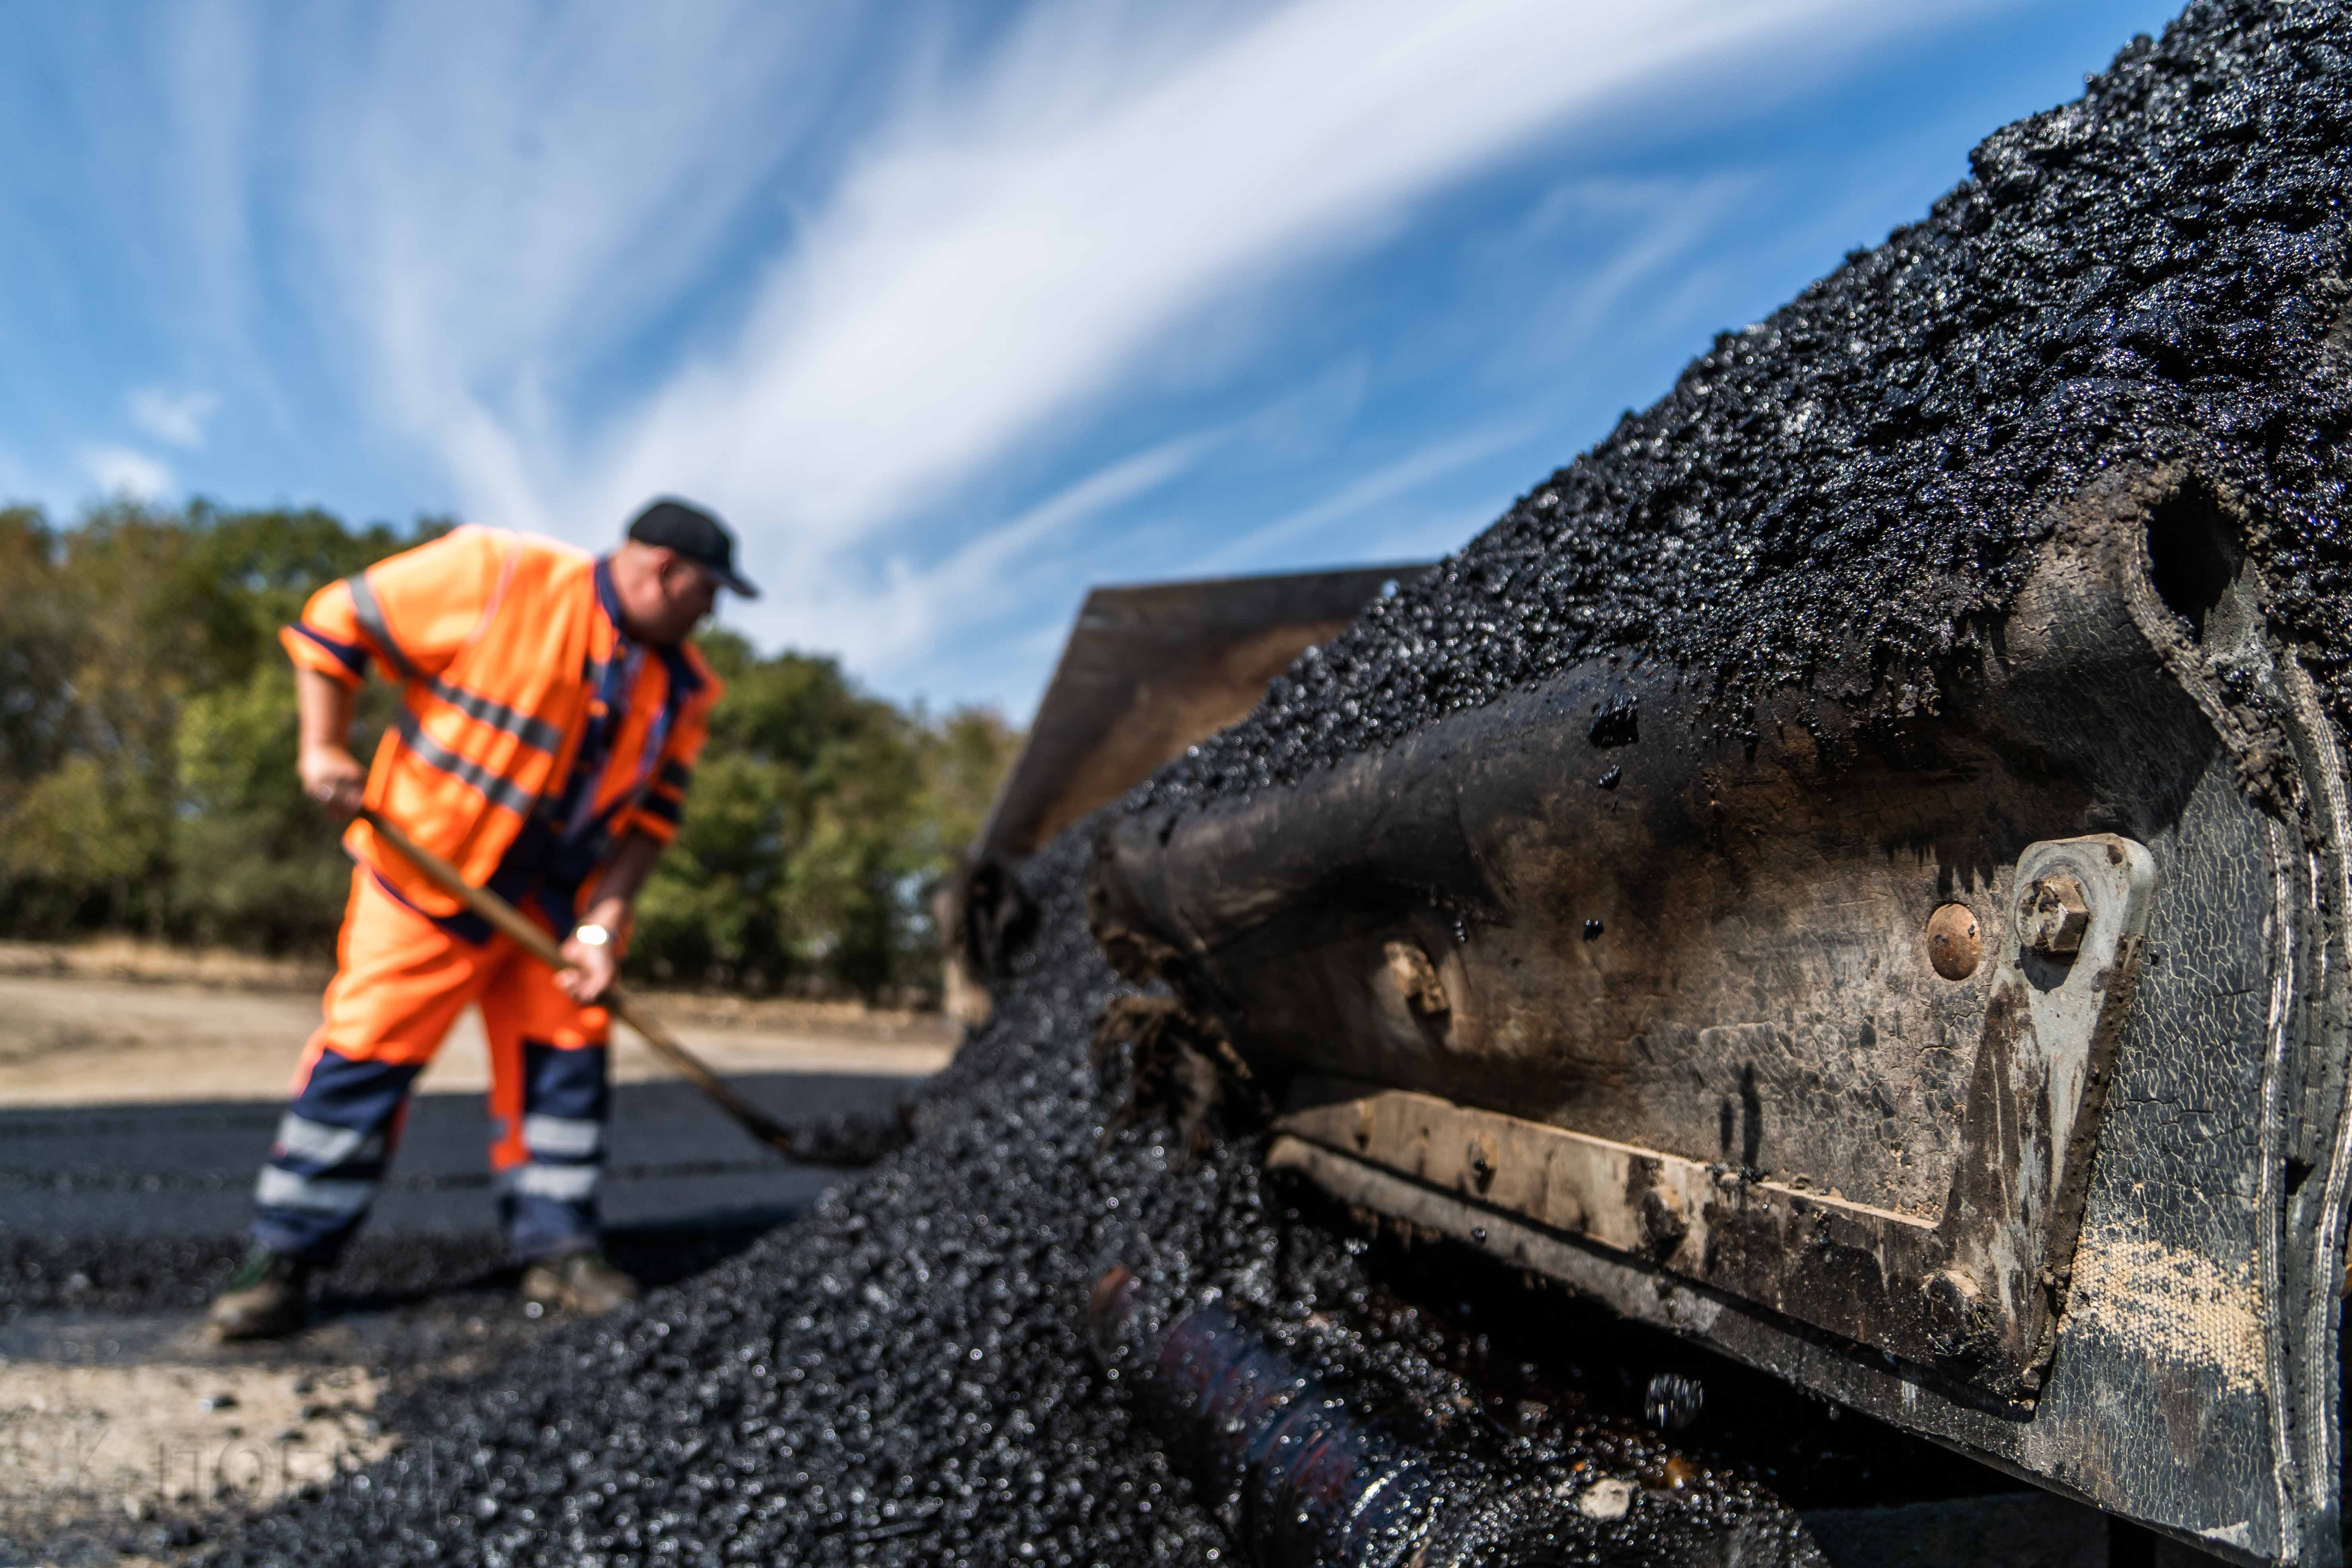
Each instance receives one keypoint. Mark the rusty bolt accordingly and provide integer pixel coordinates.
(1954, 944)
(1664, 1223)
(1414, 975)
(2053, 916)
(1955, 1311)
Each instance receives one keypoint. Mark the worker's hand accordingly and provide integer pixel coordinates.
(334, 778)
(589, 970)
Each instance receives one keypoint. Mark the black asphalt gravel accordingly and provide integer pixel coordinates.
(903, 1375)
(1839, 496)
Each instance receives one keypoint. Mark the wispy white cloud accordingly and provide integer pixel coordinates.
(1671, 219)
(1389, 481)
(550, 248)
(175, 419)
(208, 57)
(126, 473)
(499, 196)
(17, 486)
(901, 615)
(979, 273)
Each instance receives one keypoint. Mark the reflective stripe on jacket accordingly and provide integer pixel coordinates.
(500, 643)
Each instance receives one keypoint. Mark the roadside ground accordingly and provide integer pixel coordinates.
(108, 1023)
(138, 1088)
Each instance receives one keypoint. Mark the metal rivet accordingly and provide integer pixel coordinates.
(1416, 978)
(2053, 916)
(1954, 944)
(1663, 1223)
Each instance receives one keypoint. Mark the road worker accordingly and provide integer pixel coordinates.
(551, 709)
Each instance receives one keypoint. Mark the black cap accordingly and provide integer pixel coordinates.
(695, 534)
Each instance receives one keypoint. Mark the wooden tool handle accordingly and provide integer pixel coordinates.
(533, 939)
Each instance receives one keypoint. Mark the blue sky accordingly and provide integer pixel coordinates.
(953, 309)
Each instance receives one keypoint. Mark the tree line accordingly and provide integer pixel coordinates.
(147, 784)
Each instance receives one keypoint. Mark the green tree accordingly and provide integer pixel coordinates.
(153, 790)
(253, 861)
(147, 783)
(39, 634)
(820, 821)
(964, 758)
(87, 839)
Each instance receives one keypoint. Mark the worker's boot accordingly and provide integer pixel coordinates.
(584, 1281)
(268, 1296)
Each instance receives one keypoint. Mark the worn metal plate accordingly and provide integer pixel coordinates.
(1969, 1288)
(1149, 669)
(1588, 980)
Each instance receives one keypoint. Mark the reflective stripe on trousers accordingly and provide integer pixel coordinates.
(330, 1153)
(323, 1176)
(401, 983)
(550, 1164)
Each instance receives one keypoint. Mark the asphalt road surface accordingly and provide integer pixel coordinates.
(127, 1437)
(187, 1169)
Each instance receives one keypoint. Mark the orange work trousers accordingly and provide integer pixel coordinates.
(400, 983)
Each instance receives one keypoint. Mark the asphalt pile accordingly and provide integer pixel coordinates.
(905, 1375)
(1839, 500)
(1834, 500)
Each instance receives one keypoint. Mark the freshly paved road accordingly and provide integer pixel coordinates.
(187, 1169)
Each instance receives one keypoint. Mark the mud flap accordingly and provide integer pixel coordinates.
(1984, 1071)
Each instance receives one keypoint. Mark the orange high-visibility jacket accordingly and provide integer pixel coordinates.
(501, 642)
